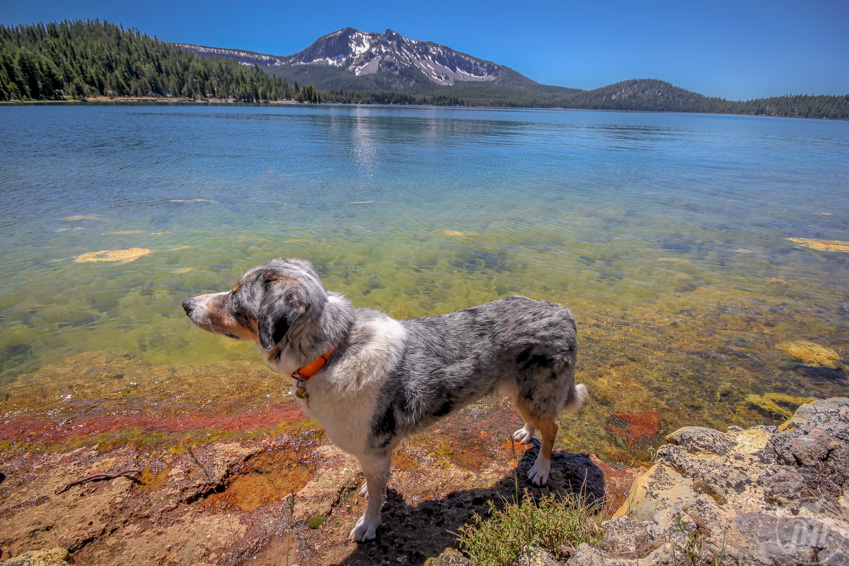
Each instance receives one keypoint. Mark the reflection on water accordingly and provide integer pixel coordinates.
(668, 235)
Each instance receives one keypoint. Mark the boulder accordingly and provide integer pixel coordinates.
(449, 557)
(53, 557)
(659, 488)
(763, 495)
(536, 556)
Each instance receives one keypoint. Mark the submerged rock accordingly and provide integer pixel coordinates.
(811, 354)
(763, 495)
(823, 245)
(123, 256)
(777, 402)
(638, 430)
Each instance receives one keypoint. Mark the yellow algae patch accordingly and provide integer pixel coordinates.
(460, 234)
(183, 270)
(247, 238)
(181, 248)
(811, 354)
(84, 217)
(123, 256)
(770, 402)
(778, 282)
(823, 245)
(75, 228)
(402, 310)
(743, 251)
(820, 214)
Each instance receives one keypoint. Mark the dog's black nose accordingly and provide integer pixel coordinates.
(188, 305)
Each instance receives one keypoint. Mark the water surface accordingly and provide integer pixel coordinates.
(667, 234)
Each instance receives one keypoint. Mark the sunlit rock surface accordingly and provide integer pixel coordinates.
(762, 495)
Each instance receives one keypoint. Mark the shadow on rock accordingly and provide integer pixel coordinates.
(411, 534)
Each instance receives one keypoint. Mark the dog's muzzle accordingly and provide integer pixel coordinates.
(189, 305)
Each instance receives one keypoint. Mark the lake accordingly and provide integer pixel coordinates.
(669, 236)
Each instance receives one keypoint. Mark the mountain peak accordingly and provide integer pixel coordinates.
(355, 60)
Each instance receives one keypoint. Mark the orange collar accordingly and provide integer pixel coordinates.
(312, 368)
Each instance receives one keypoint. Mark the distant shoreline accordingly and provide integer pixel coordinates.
(147, 99)
(175, 100)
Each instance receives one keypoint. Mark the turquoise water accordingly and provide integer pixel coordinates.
(668, 234)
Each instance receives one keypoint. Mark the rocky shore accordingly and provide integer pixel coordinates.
(763, 495)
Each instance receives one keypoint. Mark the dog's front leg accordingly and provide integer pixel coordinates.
(377, 471)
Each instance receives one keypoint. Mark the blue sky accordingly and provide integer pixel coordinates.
(733, 49)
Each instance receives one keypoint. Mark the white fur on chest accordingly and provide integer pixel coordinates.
(342, 398)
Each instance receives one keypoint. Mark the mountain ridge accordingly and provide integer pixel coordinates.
(351, 66)
(350, 59)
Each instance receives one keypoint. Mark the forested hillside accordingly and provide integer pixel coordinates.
(637, 95)
(659, 96)
(799, 106)
(85, 59)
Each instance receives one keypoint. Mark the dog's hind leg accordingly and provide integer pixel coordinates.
(377, 471)
(547, 426)
(538, 473)
(524, 434)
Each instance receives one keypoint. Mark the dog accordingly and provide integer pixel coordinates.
(371, 380)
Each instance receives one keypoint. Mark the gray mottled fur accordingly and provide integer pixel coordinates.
(514, 344)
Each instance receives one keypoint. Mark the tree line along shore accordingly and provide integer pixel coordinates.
(87, 60)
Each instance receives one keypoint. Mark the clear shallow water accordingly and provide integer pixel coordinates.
(666, 233)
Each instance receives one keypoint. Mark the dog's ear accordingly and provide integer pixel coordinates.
(283, 302)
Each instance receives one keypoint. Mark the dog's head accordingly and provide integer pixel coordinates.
(264, 304)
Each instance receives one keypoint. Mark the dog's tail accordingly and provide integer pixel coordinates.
(577, 397)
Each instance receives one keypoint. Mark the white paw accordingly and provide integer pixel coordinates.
(364, 490)
(538, 475)
(364, 530)
(524, 434)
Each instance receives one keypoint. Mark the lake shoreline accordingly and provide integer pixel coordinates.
(240, 501)
(219, 101)
(141, 99)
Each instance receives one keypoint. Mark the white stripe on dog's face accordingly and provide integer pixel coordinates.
(212, 312)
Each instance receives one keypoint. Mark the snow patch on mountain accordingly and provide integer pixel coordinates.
(365, 53)
(369, 53)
